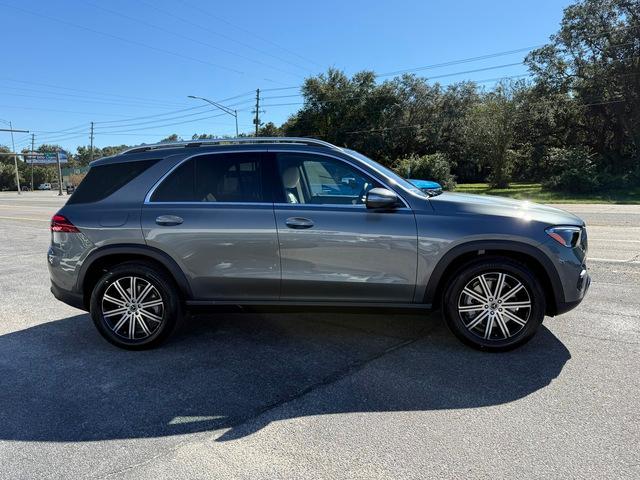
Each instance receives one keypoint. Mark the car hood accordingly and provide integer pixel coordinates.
(461, 203)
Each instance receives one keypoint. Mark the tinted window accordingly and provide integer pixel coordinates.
(321, 180)
(215, 178)
(103, 180)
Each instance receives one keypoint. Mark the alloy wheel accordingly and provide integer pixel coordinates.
(132, 308)
(494, 306)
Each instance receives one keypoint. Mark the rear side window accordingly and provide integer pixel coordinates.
(103, 180)
(235, 177)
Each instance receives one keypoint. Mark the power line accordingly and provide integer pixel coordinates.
(83, 100)
(172, 124)
(372, 95)
(458, 62)
(199, 107)
(252, 33)
(60, 131)
(125, 40)
(21, 107)
(119, 125)
(56, 140)
(164, 119)
(275, 89)
(92, 92)
(194, 40)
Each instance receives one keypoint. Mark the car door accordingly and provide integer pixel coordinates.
(213, 214)
(332, 247)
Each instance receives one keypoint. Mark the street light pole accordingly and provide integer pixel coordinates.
(233, 113)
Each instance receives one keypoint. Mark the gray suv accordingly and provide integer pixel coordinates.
(161, 229)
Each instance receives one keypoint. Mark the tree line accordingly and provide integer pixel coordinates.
(573, 125)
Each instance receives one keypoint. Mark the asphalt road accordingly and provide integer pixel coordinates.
(318, 395)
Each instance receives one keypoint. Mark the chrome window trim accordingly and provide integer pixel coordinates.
(147, 198)
(228, 204)
(309, 206)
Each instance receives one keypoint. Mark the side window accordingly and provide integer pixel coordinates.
(103, 180)
(320, 180)
(233, 177)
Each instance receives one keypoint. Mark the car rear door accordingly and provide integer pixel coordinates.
(332, 247)
(213, 214)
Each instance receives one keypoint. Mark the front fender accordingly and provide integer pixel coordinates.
(435, 276)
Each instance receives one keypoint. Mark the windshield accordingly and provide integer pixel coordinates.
(390, 174)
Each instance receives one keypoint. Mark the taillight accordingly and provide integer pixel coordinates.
(60, 223)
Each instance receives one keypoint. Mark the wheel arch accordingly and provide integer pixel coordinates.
(527, 254)
(102, 258)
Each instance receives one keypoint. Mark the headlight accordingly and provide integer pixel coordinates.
(567, 236)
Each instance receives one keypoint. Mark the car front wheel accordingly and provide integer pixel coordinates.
(494, 304)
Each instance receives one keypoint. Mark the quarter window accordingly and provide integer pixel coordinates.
(320, 180)
(103, 180)
(236, 177)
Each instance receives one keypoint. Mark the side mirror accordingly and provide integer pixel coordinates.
(381, 198)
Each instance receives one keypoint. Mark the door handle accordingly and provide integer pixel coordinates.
(169, 220)
(298, 222)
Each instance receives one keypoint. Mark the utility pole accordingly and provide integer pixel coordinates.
(257, 119)
(91, 148)
(32, 145)
(59, 173)
(15, 158)
(235, 114)
(13, 146)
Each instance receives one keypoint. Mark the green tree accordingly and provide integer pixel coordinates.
(490, 132)
(595, 60)
(171, 138)
(270, 129)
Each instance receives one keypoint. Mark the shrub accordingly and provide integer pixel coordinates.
(570, 170)
(435, 167)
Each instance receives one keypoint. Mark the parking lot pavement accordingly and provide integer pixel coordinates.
(317, 394)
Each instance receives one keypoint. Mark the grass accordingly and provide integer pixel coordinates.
(534, 192)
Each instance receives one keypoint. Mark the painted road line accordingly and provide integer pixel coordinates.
(26, 218)
(613, 260)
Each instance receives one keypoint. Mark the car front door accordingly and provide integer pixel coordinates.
(213, 214)
(332, 247)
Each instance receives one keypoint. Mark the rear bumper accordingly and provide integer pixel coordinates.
(70, 298)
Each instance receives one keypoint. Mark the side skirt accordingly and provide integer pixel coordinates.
(302, 304)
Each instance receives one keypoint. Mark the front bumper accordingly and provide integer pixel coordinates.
(584, 282)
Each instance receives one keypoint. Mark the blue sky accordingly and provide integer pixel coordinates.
(127, 64)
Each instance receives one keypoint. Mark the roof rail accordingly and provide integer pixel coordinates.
(232, 141)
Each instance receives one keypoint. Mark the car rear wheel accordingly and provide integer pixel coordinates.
(135, 306)
(494, 304)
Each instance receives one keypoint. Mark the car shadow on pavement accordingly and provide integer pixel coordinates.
(61, 382)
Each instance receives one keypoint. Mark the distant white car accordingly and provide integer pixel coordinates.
(44, 186)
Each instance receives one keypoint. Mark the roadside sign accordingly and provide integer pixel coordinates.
(49, 158)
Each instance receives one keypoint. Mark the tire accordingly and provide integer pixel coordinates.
(157, 310)
(490, 322)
